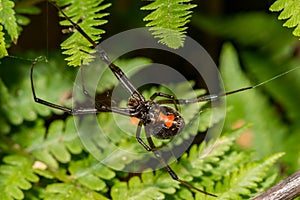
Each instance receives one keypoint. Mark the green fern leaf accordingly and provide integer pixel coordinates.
(3, 51)
(247, 178)
(216, 167)
(102, 149)
(89, 173)
(61, 141)
(88, 15)
(17, 104)
(16, 175)
(7, 106)
(168, 20)
(8, 19)
(70, 191)
(149, 187)
(290, 11)
(201, 159)
(229, 163)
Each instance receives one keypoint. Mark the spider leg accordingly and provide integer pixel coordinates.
(214, 97)
(104, 57)
(41, 101)
(168, 96)
(100, 108)
(211, 97)
(139, 139)
(158, 156)
(169, 169)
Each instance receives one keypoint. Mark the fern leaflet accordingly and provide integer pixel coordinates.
(16, 175)
(247, 178)
(168, 20)
(8, 19)
(88, 15)
(3, 51)
(149, 186)
(290, 11)
(70, 191)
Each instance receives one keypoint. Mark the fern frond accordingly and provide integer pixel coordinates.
(290, 11)
(61, 141)
(3, 51)
(168, 20)
(216, 167)
(16, 175)
(150, 186)
(85, 179)
(52, 146)
(89, 172)
(8, 19)
(190, 166)
(88, 15)
(11, 21)
(70, 191)
(246, 179)
(202, 159)
(84, 176)
(6, 105)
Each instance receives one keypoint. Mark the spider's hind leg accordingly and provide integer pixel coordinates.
(152, 147)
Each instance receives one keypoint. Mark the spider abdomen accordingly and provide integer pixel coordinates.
(164, 122)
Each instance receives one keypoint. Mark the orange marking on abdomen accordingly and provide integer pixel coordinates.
(167, 119)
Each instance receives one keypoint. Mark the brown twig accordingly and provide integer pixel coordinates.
(287, 189)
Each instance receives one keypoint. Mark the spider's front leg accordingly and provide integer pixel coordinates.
(139, 139)
(41, 101)
(138, 136)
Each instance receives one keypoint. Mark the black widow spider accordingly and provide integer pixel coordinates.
(160, 121)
